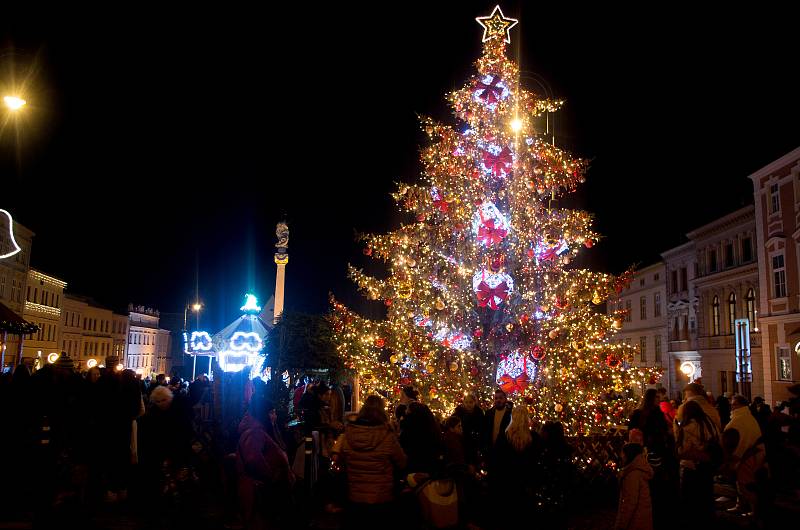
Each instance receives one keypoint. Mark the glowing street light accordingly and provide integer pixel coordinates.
(197, 306)
(14, 103)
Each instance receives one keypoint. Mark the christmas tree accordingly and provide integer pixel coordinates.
(480, 292)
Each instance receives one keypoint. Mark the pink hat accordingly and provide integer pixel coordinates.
(636, 436)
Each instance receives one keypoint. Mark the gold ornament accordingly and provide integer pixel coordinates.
(559, 407)
(453, 366)
(617, 324)
(411, 262)
(393, 358)
(404, 290)
(578, 345)
(581, 363)
(553, 333)
(545, 308)
(509, 327)
(596, 300)
(439, 304)
(429, 368)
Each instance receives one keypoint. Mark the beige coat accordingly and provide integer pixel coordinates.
(635, 510)
(710, 411)
(369, 454)
(743, 421)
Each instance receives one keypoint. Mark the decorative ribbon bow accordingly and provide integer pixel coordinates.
(550, 254)
(489, 92)
(490, 234)
(491, 296)
(500, 163)
(441, 204)
(513, 384)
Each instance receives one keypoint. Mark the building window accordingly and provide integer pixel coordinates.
(674, 285)
(715, 316)
(712, 260)
(731, 312)
(747, 250)
(784, 363)
(723, 382)
(684, 282)
(751, 308)
(775, 200)
(643, 308)
(778, 276)
(657, 304)
(657, 348)
(728, 256)
(627, 311)
(27, 294)
(643, 349)
(656, 277)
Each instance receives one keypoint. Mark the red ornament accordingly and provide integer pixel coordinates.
(367, 251)
(612, 361)
(497, 262)
(459, 226)
(388, 302)
(598, 416)
(524, 318)
(588, 243)
(420, 217)
(538, 353)
(473, 371)
(477, 333)
(380, 342)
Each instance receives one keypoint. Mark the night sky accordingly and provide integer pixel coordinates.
(160, 144)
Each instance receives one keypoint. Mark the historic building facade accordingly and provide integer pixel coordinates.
(644, 325)
(87, 332)
(148, 346)
(44, 297)
(728, 340)
(684, 363)
(776, 189)
(13, 280)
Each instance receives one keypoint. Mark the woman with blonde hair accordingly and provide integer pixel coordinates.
(516, 455)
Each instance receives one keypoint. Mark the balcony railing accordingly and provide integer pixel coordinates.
(726, 342)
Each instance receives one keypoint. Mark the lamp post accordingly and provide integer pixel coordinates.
(196, 307)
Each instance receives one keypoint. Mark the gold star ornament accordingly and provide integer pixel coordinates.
(497, 25)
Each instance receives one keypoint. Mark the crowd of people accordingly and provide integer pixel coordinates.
(105, 437)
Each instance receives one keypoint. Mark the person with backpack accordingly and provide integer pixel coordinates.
(700, 455)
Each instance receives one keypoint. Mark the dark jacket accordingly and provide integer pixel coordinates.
(488, 426)
(369, 453)
(473, 424)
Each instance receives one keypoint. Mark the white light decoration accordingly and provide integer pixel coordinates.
(17, 248)
(511, 368)
(200, 341)
(250, 304)
(489, 225)
(53, 357)
(689, 369)
(246, 341)
(497, 24)
(91, 363)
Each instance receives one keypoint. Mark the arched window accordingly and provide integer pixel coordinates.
(732, 313)
(715, 316)
(751, 307)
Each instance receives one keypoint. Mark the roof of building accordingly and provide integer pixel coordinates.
(11, 322)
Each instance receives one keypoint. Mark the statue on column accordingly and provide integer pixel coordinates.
(282, 232)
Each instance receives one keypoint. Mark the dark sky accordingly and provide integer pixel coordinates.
(159, 141)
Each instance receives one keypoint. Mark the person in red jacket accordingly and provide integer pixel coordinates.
(265, 479)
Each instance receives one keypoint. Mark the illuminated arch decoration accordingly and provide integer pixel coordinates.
(91, 363)
(250, 306)
(201, 341)
(16, 247)
(53, 357)
(246, 341)
(515, 371)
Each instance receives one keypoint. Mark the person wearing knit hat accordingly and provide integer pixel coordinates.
(64, 362)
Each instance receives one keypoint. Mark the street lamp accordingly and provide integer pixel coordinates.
(196, 307)
(14, 103)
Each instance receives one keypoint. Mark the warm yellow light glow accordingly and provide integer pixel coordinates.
(119, 367)
(14, 103)
(687, 368)
(53, 357)
(516, 125)
(197, 307)
(91, 363)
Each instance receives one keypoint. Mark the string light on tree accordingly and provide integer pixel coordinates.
(480, 289)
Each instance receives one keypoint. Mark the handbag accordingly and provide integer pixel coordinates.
(439, 503)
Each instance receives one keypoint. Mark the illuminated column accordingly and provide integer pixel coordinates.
(281, 259)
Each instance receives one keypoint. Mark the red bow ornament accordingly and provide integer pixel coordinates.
(500, 163)
(492, 296)
(489, 92)
(513, 384)
(489, 234)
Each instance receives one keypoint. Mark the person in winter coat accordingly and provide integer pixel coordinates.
(635, 511)
(369, 452)
(696, 392)
(515, 473)
(265, 479)
(471, 416)
(695, 431)
(749, 434)
(420, 438)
